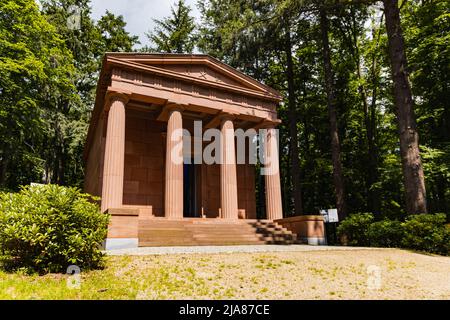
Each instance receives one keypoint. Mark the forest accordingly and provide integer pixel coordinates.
(366, 87)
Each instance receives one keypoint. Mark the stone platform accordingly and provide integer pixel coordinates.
(130, 232)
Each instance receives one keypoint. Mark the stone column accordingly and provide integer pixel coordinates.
(173, 196)
(113, 166)
(228, 180)
(271, 173)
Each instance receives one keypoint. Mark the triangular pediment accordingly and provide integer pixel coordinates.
(200, 71)
(197, 67)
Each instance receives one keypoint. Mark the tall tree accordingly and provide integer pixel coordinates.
(114, 36)
(251, 37)
(294, 152)
(409, 138)
(427, 36)
(67, 123)
(174, 34)
(36, 72)
(338, 176)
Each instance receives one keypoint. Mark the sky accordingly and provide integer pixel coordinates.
(138, 14)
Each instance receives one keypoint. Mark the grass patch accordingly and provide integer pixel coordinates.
(293, 275)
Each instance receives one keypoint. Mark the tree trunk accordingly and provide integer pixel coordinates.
(295, 163)
(373, 174)
(338, 178)
(413, 176)
(350, 35)
(3, 170)
(374, 201)
(287, 192)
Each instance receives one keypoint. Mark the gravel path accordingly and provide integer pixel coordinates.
(143, 251)
(292, 272)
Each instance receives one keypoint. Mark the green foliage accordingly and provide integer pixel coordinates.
(48, 74)
(251, 37)
(424, 232)
(174, 34)
(427, 232)
(427, 25)
(114, 36)
(354, 230)
(46, 228)
(35, 70)
(385, 233)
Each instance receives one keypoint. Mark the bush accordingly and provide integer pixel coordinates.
(353, 230)
(427, 232)
(47, 228)
(424, 232)
(385, 233)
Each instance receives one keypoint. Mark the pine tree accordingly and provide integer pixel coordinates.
(114, 36)
(174, 34)
(413, 174)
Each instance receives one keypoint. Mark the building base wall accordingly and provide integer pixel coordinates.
(310, 229)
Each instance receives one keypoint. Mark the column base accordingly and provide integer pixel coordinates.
(120, 243)
(314, 241)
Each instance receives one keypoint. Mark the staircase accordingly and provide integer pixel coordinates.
(202, 232)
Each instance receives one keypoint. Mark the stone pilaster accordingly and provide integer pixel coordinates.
(228, 180)
(113, 167)
(173, 199)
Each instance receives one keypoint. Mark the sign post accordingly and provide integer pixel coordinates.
(330, 217)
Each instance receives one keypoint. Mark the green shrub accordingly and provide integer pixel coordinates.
(385, 233)
(353, 230)
(47, 228)
(427, 232)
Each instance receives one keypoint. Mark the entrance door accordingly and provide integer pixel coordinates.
(190, 190)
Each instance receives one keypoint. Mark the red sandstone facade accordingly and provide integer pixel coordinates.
(141, 100)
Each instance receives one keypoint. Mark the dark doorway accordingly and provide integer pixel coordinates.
(190, 190)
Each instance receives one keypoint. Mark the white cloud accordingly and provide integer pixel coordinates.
(138, 14)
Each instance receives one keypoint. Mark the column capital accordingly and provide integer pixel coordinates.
(219, 118)
(267, 124)
(224, 116)
(113, 94)
(167, 109)
(171, 106)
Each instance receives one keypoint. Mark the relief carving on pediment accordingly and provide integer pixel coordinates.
(200, 72)
(184, 87)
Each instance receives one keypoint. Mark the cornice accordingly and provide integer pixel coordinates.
(196, 59)
(113, 62)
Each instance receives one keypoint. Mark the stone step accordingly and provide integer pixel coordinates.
(190, 229)
(221, 227)
(225, 236)
(221, 231)
(279, 230)
(274, 234)
(279, 237)
(212, 232)
(196, 243)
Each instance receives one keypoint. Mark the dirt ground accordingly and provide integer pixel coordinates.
(331, 274)
(362, 274)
